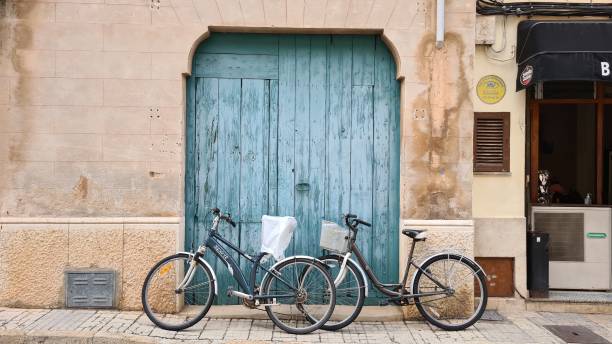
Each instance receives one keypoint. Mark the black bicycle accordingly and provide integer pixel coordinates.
(449, 289)
(297, 292)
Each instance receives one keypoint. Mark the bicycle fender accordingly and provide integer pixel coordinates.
(201, 260)
(361, 271)
(470, 260)
(282, 261)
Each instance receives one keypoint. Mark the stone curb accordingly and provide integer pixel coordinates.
(72, 337)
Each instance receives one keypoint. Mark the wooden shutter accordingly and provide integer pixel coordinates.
(491, 142)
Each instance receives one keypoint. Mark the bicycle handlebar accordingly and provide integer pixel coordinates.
(230, 221)
(363, 222)
(356, 221)
(226, 217)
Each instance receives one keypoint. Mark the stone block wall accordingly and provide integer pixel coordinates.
(92, 96)
(35, 253)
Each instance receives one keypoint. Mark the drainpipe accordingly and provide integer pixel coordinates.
(439, 24)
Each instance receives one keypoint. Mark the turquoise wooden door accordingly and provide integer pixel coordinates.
(300, 125)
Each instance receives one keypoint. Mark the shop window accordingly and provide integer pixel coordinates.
(571, 139)
(568, 151)
(491, 142)
(607, 90)
(607, 154)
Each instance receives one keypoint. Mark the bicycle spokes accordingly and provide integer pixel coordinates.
(174, 291)
(446, 288)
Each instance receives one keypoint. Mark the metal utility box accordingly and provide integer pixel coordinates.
(500, 275)
(90, 289)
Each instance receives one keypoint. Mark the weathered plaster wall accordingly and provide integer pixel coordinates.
(92, 108)
(92, 98)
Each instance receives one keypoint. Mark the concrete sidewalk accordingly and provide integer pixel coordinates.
(109, 327)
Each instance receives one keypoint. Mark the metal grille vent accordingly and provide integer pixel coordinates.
(566, 232)
(491, 142)
(90, 289)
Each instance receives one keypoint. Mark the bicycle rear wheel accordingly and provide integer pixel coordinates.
(301, 294)
(172, 308)
(462, 303)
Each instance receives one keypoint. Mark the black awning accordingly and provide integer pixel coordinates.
(563, 50)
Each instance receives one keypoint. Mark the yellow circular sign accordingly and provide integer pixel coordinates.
(491, 89)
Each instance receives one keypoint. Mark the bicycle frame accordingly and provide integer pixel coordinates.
(388, 288)
(213, 242)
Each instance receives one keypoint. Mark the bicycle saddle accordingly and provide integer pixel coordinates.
(415, 234)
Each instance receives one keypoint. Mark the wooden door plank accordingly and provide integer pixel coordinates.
(206, 145)
(236, 66)
(240, 43)
(273, 150)
(301, 132)
(207, 110)
(190, 159)
(363, 60)
(362, 128)
(318, 103)
(252, 181)
(228, 173)
(339, 128)
(265, 136)
(286, 127)
(394, 231)
(383, 114)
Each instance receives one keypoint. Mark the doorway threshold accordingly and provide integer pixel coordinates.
(574, 301)
(580, 296)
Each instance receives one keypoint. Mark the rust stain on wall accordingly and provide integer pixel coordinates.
(14, 35)
(81, 188)
(438, 186)
(99, 201)
(14, 152)
(154, 174)
(2, 8)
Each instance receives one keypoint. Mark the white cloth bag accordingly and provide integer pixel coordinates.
(276, 233)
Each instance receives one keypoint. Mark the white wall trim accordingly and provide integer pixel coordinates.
(436, 223)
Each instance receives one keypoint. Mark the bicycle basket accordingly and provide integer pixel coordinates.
(334, 238)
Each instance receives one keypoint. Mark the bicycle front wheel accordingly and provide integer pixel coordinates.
(300, 295)
(350, 292)
(172, 301)
(463, 299)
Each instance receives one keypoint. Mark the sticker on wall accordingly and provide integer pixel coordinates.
(491, 89)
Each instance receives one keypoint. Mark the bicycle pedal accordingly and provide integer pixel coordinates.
(274, 303)
(230, 291)
(383, 303)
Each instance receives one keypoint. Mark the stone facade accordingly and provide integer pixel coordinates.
(34, 253)
(92, 96)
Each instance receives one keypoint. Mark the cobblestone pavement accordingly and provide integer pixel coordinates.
(90, 326)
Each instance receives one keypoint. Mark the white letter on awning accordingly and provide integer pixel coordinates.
(605, 68)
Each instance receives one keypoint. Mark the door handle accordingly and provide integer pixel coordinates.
(302, 187)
